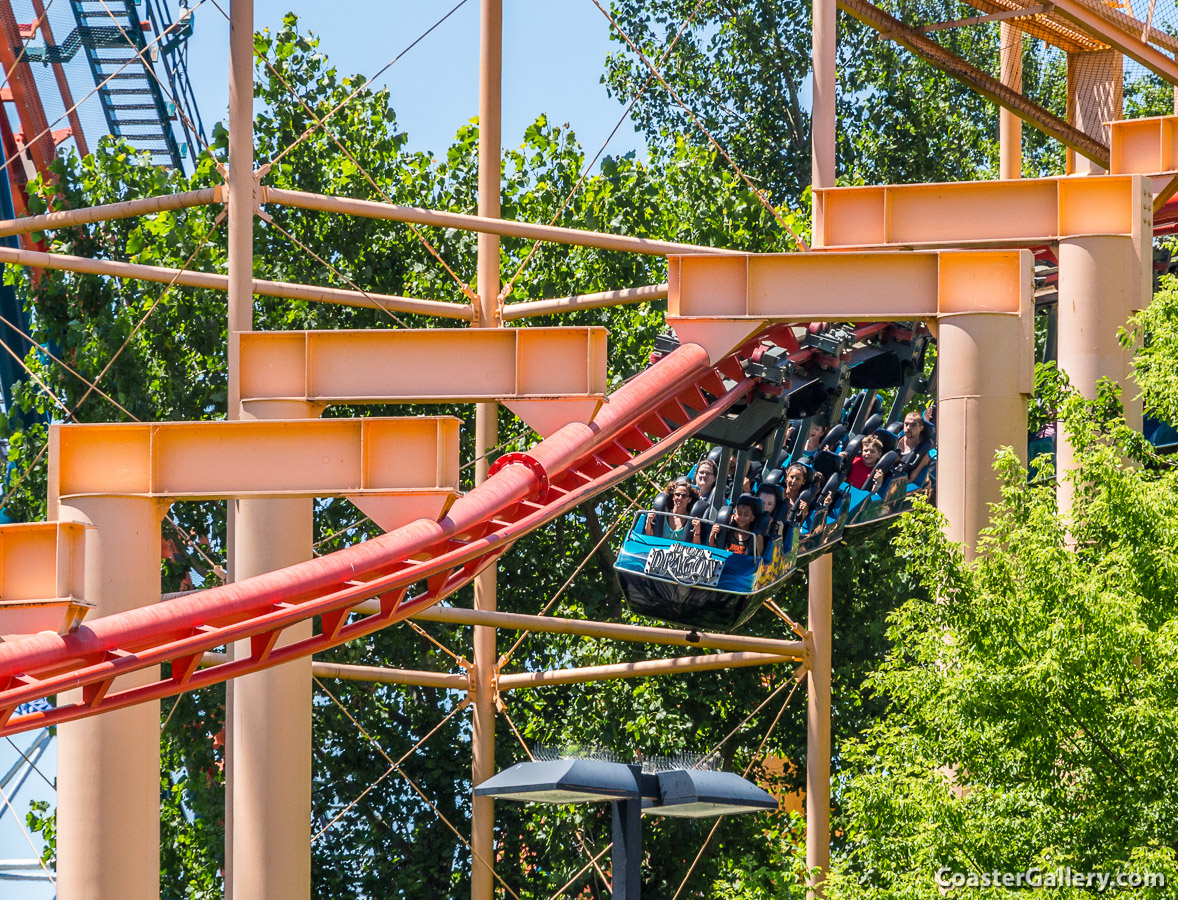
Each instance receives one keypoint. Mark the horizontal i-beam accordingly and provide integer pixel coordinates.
(395, 470)
(719, 303)
(547, 376)
(41, 584)
(215, 282)
(973, 77)
(1022, 212)
(618, 631)
(642, 669)
(106, 212)
(1148, 147)
(555, 234)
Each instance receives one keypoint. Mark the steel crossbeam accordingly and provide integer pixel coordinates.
(547, 376)
(41, 585)
(396, 470)
(1018, 213)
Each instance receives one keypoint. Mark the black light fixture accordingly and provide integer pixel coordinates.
(563, 781)
(700, 793)
(683, 792)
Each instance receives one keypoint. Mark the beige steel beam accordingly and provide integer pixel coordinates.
(973, 77)
(1025, 212)
(720, 303)
(642, 669)
(979, 301)
(1148, 147)
(554, 305)
(395, 470)
(41, 586)
(547, 376)
(215, 282)
(379, 675)
(108, 781)
(638, 634)
(1042, 24)
(106, 212)
(555, 234)
(1094, 96)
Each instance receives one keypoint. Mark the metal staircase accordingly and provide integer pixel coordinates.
(136, 107)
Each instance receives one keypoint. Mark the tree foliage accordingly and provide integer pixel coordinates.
(1031, 705)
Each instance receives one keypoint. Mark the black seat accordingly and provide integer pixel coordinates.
(834, 437)
(911, 461)
(824, 463)
(887, 463)
(847, 457)
(874, 423)
(887, 439)
(662, 504)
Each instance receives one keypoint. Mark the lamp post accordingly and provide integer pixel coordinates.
(686, 793)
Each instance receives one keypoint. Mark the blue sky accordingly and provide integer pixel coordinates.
(554, 53)
(553, 58)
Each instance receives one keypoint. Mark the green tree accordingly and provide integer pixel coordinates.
(742, 68)
(1031, 705)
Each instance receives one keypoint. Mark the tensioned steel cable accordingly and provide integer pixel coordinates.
(16, 482)
(320, 123)
(462, 285)
(503, 294)
(801, 244)
(163, 89)
(744, 774)
(25, 46)
(577, 571)
(28, 838)
(379, 749)
(393, 767)
(580, 835)
(338, 274)
(32, 764)
(72, 371)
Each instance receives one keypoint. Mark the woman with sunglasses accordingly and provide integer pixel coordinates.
(677, 525)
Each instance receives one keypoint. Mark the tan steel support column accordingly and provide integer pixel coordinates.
(1010, 126)
(482, 824)
(268, 785)
(241, 182)
(980, 408)
(1095, 81)
(823, 124)
(821, 576)
(270, 725)
(240, 209)
(822, 175)
(1103, 279)
(108, 767)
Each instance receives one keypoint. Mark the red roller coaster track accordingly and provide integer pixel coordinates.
(636, 427)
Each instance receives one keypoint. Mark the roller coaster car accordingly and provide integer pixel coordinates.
(699, 586)
(824, 526)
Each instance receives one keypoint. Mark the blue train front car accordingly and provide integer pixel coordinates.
(696, 585)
